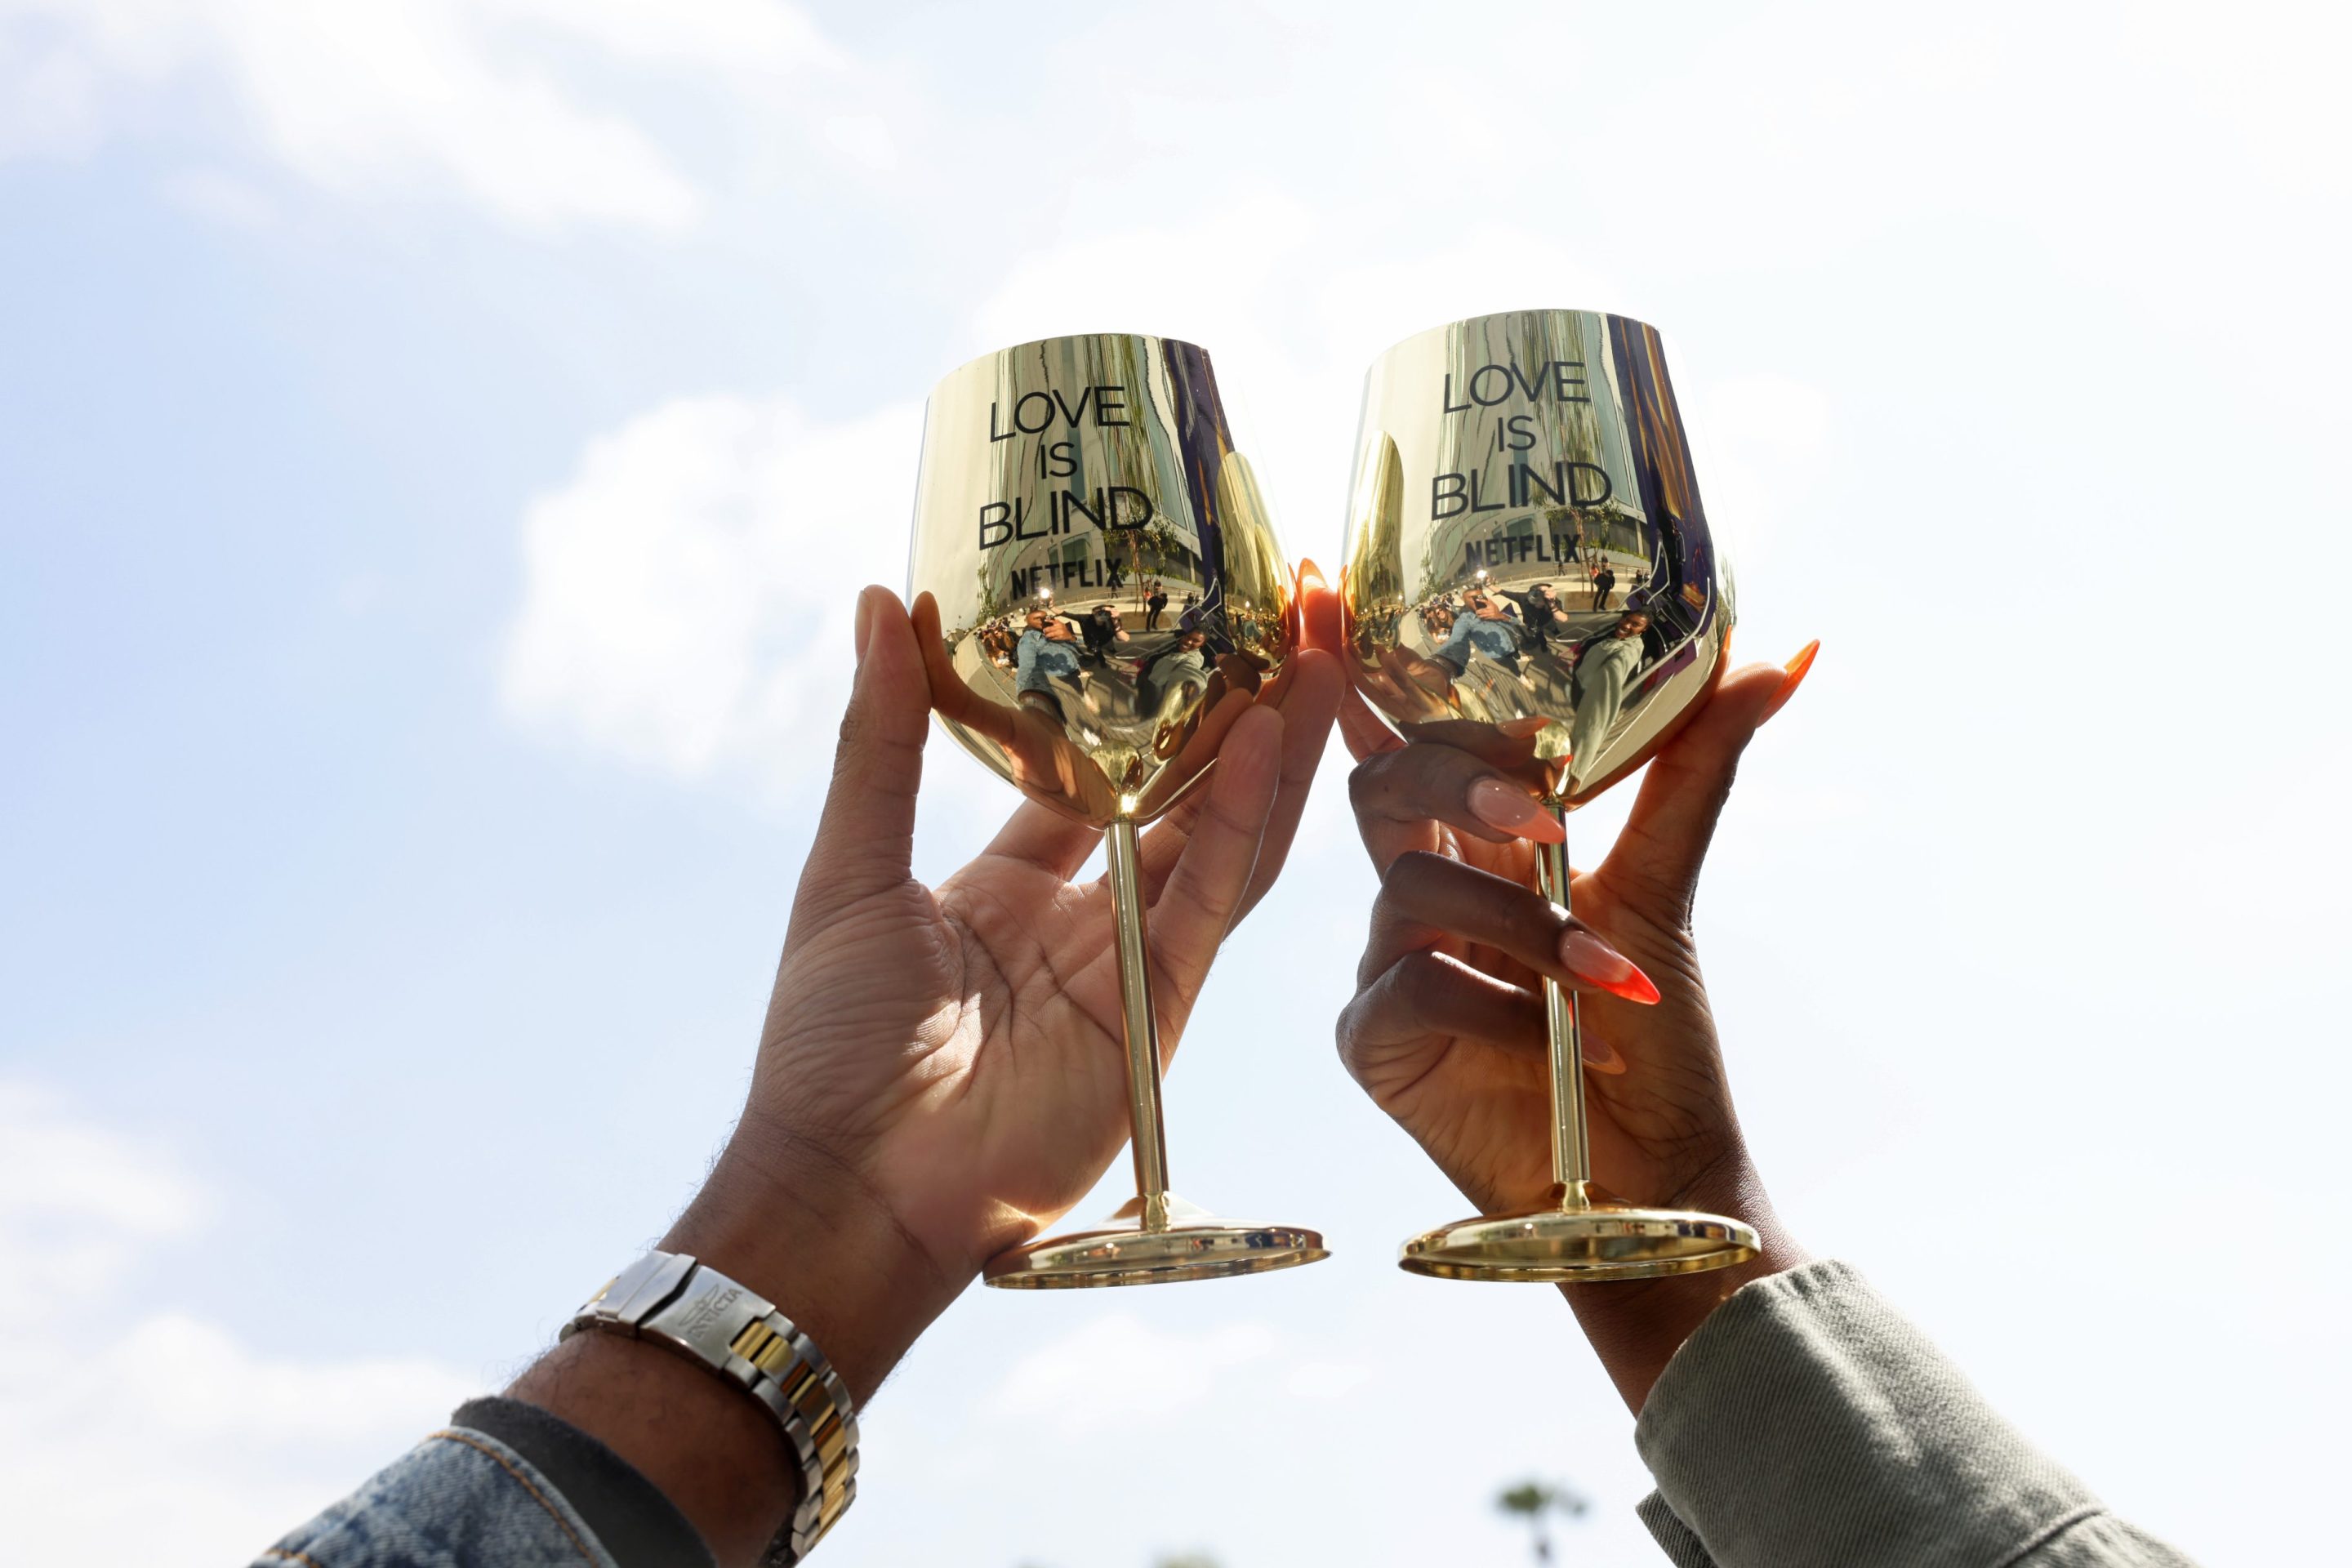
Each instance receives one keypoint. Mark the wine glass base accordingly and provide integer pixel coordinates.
(1192, 1245)
(1588, 1243)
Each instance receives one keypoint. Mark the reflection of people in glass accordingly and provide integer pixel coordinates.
(1604, 583)
(1604, 667)
(1175, 679)
(1541, 611)
(1155, 603)
(1047, 649)
(996, 642)
(1102, 630)
(1485, 627)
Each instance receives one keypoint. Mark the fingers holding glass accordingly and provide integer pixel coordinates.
(1532, 588)
(1396, 793)
(1104, 604)
(1425, 899)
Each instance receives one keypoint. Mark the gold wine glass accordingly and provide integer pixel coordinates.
(1100, 596)
(1530, 575)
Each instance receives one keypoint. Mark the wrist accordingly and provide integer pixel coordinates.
(1635, 1327)
(802, 1229)
(780, 1220)
(705, 1444)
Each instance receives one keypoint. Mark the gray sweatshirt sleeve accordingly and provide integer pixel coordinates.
(1807, 1425)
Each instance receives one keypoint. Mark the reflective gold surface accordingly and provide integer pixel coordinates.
(1129, 1249)
(1109, 591)
(1603, 1240)
(1099, 594)
(1527, 553)
(1530, 575)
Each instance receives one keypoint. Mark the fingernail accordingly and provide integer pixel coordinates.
(1796, 668)
(1600, 1056)
(1506, 807)
(863, 624)
(1591, 960)
(1311, 573)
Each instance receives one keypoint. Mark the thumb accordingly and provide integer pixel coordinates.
(864, 840)
(1318, 609)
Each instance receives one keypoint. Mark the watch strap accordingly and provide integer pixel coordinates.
(692, 1308)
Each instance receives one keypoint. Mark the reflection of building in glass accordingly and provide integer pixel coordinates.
(1086, 495)
(1577, 623)
(1100, 566)
(1687, 590)
(1545, 468)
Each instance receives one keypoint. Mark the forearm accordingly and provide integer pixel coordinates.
(1635, 1327)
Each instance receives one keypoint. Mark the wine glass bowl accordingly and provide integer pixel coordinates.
(1523, 492)
(1106, 591)
(1529, 574)
(1099, 596)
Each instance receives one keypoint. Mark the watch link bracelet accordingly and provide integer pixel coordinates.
(692, 1308)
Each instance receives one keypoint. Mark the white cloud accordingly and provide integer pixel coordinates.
(227, 1448)
(755, 38)
(1118, 1369)
(863, 140)
(396, 95)
(196, 1379)
(220, 196)
(687, 593)
(408, 97)
(77, 1203)
(1761, 441)
(688, 596)
(1326, 1379)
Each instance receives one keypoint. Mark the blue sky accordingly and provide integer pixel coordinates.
(438, 443)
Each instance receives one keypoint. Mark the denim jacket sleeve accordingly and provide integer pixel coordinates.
(1807, 1424)
(504, 1484)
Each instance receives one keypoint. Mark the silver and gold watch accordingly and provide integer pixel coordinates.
(676, 1301)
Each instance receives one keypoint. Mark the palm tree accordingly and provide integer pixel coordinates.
(1533, 1501)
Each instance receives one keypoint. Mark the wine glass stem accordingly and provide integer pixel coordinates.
(1140, 1023)
(1571, 1157)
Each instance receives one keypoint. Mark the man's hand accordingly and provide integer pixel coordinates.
(942, 1072)
(1446, 1030)
(944, 1068)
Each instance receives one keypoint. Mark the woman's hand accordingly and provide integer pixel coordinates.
(1446, 1030)
(941, 1074)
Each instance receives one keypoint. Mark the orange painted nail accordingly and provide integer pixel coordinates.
(1596, 963)
(1797, 668)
